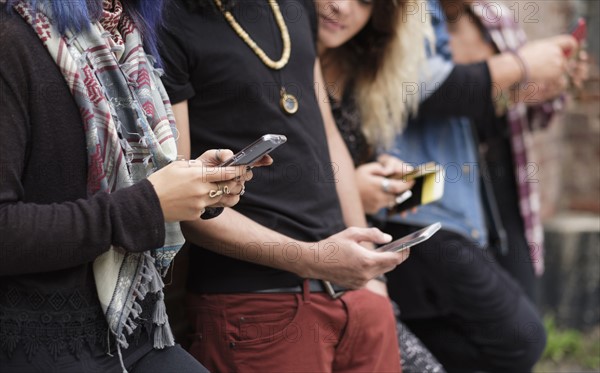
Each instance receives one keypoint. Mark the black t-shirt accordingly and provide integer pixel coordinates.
(233, 99)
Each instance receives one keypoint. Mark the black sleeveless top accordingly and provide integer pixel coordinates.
(348, 121)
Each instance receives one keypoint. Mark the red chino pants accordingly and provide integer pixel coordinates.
(258, 332)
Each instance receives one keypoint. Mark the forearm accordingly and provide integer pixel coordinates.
(180, 111)
(350, 200)
(467, 91)
(339, 258)
(234, 235)
(505, 71)
(43, 229)
(349, 196)
(40, 238)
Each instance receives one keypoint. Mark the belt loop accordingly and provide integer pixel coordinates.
(306, 290)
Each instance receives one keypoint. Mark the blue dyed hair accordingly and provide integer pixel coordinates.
(77, 15)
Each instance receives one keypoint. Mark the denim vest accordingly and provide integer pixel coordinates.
(449, 142)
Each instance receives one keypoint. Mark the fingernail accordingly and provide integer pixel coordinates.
(387, 236)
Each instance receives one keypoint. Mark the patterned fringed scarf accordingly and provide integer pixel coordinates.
(129, 128)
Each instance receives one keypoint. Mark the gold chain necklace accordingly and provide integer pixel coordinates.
(288, 103)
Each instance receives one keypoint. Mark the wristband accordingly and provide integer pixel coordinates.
(524, 68)
(211, 213)
(381, 278)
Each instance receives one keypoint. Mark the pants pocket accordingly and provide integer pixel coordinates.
(263, 321)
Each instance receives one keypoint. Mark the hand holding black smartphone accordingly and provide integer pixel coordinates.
(398, 245)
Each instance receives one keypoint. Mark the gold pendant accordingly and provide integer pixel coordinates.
(288, 103)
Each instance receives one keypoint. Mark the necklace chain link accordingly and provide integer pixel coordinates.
(285, 36)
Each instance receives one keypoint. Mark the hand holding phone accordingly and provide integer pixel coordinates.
(428, 187)
(395, 246)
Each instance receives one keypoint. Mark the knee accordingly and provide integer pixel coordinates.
(531, 340)
(523, 348)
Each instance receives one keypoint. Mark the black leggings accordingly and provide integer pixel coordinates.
(139, 359)
(499, 160)
(464, 307)
(174, 359)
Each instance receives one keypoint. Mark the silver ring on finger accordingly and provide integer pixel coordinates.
(385, 185)
(242, 191)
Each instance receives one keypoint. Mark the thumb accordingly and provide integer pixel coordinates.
(368, 235)
(215, 157)
(389, 168)
(565, 42)
(386, 261)
(401, 168)
(374, 168)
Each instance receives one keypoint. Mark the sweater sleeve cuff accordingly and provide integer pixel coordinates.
(138, 221)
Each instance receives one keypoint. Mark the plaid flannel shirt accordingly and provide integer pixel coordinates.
(508, 36)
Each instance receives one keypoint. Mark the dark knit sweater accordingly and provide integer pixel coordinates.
(50, 230)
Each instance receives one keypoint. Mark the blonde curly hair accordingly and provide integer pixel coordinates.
(383, 59)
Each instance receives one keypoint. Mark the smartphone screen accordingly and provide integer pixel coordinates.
(411, 239)
(255, 151)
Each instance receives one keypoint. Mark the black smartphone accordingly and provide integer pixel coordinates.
(255, 151)
(412, 239)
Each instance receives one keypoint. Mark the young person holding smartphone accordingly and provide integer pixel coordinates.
(460, 289)
(91, 193)
(239, 70)
(367, 59)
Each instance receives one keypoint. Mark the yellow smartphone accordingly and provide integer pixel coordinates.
(429, 186)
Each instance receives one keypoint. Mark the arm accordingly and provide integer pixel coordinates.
(45, 237)
(180, 111)
(60, 233)
(353, 266)
(348, 193)
(466, 91)
(471, 86)
(349, 196)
